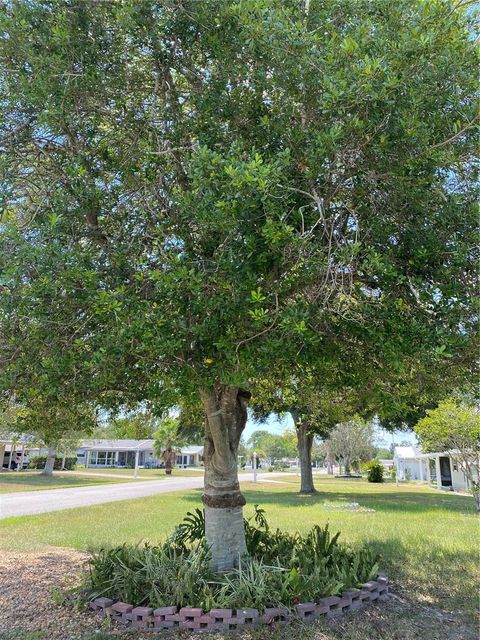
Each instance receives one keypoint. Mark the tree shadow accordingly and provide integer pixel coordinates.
(425, 573)
(443, 578)
(401, 501)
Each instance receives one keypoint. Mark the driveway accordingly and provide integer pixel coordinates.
(23, 503)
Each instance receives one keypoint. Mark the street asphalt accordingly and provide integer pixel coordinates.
(23, 503)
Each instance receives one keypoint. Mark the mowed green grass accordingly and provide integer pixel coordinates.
(428, 540)
(11, 481)
(154, 474)
(30, 480)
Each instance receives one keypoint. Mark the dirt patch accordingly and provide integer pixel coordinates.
(30, 589)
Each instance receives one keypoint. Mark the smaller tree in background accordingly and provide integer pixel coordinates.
(382, 453)
(175, 432)
(274, 446)
(68, 446)
(254, 442)
(168, 438)
(454, 427)
(375, 471)
(139, 425)
(57, 425)
(279, 447)
(351, 442)
(168, 435)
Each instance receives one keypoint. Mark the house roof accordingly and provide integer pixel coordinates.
(192, 450)
(117, 445)
(132, 445)
(407, 452)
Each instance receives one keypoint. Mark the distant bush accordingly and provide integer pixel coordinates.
(375, 471)
(38, 462)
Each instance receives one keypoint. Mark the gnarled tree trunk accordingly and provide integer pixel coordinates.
(226, 417)
(476, 495)
(50, 462)
(304, 446)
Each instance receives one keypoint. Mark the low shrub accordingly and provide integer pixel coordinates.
(375, 471)
(281, 569)
(38, 462)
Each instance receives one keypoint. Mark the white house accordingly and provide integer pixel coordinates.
(408, 465)
(387, 464)
(123, 453)
(439, 468)
(191, 456)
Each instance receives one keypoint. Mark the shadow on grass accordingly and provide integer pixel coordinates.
(446, 579)
(54, 482)
(402, 501)
(425, 572)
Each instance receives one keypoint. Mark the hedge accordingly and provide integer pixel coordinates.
(38, 462)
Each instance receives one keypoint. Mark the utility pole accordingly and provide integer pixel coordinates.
(135, 475)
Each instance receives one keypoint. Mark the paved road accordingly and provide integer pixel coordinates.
(24, 503)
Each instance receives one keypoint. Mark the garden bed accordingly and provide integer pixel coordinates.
(195, 619)
(283, 576)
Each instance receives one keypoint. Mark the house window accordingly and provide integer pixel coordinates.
(102, 458)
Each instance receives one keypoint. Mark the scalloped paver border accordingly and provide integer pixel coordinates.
(194, 618)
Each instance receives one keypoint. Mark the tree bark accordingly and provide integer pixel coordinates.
(50, 462)
(226, 417)
(304, 446)
(476, 495)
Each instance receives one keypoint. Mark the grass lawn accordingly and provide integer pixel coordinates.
(428, 542)
(154, 474)
(10, 481)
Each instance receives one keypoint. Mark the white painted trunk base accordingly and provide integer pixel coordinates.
(224, 531)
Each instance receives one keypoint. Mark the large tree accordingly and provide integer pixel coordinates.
(314, 406)
(197, 193)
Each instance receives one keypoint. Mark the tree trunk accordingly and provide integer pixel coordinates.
(304, 445)
(226, 417)
(49, 463)
(476, 495)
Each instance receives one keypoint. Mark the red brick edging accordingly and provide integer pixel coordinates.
(195, 619)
